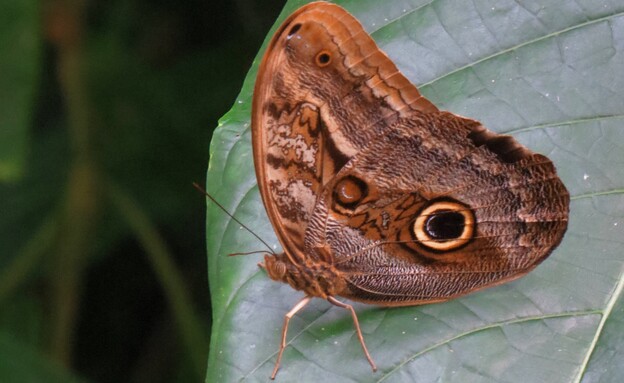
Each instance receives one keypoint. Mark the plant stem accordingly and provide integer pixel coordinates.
(64, 27)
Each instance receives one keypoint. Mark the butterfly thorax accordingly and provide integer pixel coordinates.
(313, 277)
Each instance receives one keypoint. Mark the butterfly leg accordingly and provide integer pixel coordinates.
(336, 302)
(301, 304)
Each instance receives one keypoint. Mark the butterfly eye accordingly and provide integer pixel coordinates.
(444, 225)
(350, 191)
(323, 58)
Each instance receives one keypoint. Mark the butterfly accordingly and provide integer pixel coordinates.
(375, 194)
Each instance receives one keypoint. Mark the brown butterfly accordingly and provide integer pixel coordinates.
(375, 194)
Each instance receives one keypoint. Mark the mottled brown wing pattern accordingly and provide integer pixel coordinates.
(518, 204)
(323, 91)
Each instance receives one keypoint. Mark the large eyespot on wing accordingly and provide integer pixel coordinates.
(443, 225)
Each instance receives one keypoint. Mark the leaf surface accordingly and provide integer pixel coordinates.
(548, 73)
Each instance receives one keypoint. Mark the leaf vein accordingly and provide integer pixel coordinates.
(521, 45)
(617, 292)
(485, 328)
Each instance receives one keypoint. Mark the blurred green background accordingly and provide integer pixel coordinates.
(106, 114)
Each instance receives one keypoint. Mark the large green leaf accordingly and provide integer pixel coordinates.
(548, 72)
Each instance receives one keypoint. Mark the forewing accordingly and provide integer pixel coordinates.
(323, 92)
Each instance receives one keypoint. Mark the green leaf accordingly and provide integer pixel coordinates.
(19, 74)
(547, 72)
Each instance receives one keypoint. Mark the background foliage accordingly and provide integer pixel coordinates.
(547, 72)
(106, 111)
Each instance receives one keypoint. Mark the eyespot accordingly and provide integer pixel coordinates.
(323, 58)
(444, 225)
(349, 191)
(293, 30)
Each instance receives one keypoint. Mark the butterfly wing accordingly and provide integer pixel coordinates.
(323, 92)
(438, 207)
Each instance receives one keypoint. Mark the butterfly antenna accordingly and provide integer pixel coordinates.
(248, 253)
(196, 186)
